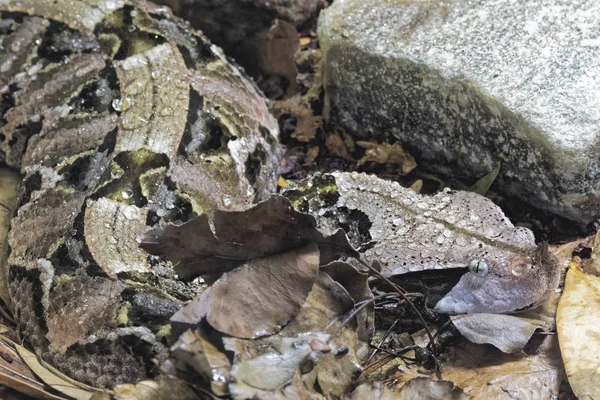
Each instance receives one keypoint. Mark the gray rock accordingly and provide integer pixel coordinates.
(468, 84)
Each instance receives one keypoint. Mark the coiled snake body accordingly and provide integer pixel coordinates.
(120, 117)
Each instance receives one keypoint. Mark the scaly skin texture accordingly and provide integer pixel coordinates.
(120, 117)
(408, 232)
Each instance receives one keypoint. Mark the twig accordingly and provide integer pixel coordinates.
(361, 305)
(382, 340)
(397, 288)
(400, 291)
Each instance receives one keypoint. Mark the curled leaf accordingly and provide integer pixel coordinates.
(267, 366)
(385, 153)
(307, 124)
(416, 388)
(16, 374)
(337, 147)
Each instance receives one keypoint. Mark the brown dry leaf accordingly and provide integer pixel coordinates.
(193, 351)
(326, 306)
(9, 180)
(256, 299)
(167, 389)
(311, 155)
(270, 227)
(373, 391)
(273, 51)
(417, 388)
(484, 372)
(578, 327)
(52, 378)
(507, 332)
(385, 153)
(429, 389)
(356, 285)
(15, 374)
(337, 147)
(265, 367)
(307, 123)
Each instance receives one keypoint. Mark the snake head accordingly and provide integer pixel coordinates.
(520, 281)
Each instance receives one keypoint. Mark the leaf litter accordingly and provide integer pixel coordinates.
(282, 321)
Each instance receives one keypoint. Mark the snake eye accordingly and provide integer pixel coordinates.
(520, 265)
(478, 266)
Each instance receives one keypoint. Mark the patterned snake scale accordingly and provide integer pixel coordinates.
(120, 117)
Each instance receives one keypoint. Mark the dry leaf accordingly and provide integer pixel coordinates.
(193, 351)
(167, 389)
(270, 227)
(484, 372)
(417, 388)
(307, 124)
(258, 298)
(15, 374)
(337, 147)
(578, 326)
(385, 153)
(51, 378)
(264, 368)
(507, 332)
(282, 182)
(273, 51)
(311, 155)
(268, 365)
(356, 285)
(373, 391)
(305, 41)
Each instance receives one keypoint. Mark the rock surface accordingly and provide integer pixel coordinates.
(466, 85)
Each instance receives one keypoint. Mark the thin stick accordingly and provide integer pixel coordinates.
(401, 293)
(389, 331)
(438, 371)
(362, 305)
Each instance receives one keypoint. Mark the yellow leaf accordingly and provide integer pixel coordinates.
(282, 182)
(578, 327)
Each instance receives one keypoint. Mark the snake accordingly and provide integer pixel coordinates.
(119, 117)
